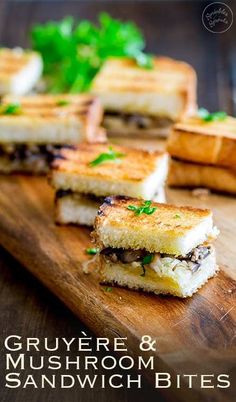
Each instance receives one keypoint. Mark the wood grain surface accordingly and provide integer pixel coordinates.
(28, 309)
(193, 335)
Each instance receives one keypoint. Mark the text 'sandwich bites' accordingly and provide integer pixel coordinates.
(146, 102)
(34, 128)
(83, 177)
(154, 247)
(19, 70)
(203, 153)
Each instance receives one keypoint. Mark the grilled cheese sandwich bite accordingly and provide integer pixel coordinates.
(83, 177)
(145, 101)
(203, 153)
(19, 70)
(154, 247)
(34, 128)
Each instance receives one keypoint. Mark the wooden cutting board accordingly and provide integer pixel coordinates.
(192, 336)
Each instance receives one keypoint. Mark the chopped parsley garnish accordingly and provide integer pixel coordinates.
(145, 261)
(11, 108)
(73, 52)
(209, 117)
(177, 216)
(145, 208)
(63, 102)
(110, 155)
(108, 289)
(92, 251)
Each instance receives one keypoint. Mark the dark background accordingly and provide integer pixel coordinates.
(172, 28)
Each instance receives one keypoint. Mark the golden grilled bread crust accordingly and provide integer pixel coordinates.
(12, 61)
(135, 166)
(168, 222)
(83, 111)
(191, 175)
(123, 75)
(211, 143)
(116, 207)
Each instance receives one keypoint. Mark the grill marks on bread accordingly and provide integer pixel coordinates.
(13, 61)
(136, 165)
(169, 229)
(124, 75)
(48, 106)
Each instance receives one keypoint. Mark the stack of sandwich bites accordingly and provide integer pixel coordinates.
(143, 101)
(85, 175)
(34, 128)
(154, 247)
(203, 152)
(143, 244)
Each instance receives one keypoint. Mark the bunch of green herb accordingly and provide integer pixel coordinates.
(74, 52)
(208, 117)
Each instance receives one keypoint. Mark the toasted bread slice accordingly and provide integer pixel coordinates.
(82, 210)
(169, 229)
(19, 70)
(191, 175)
(168, 89)
(138, 173)
(211, 143)
(172, 278)
(77, 209)
(57, 119)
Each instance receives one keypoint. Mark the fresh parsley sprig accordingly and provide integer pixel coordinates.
(74, 52)
(108, 289)
(63, 102)
(145, 208)
(10, 108)
(145, 261)
(209, 117)
(177, 216)
(92, 251)
(110, 155)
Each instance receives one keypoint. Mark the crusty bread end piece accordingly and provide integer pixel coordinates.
(211, 143)
(193, 175)
(170, 229)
